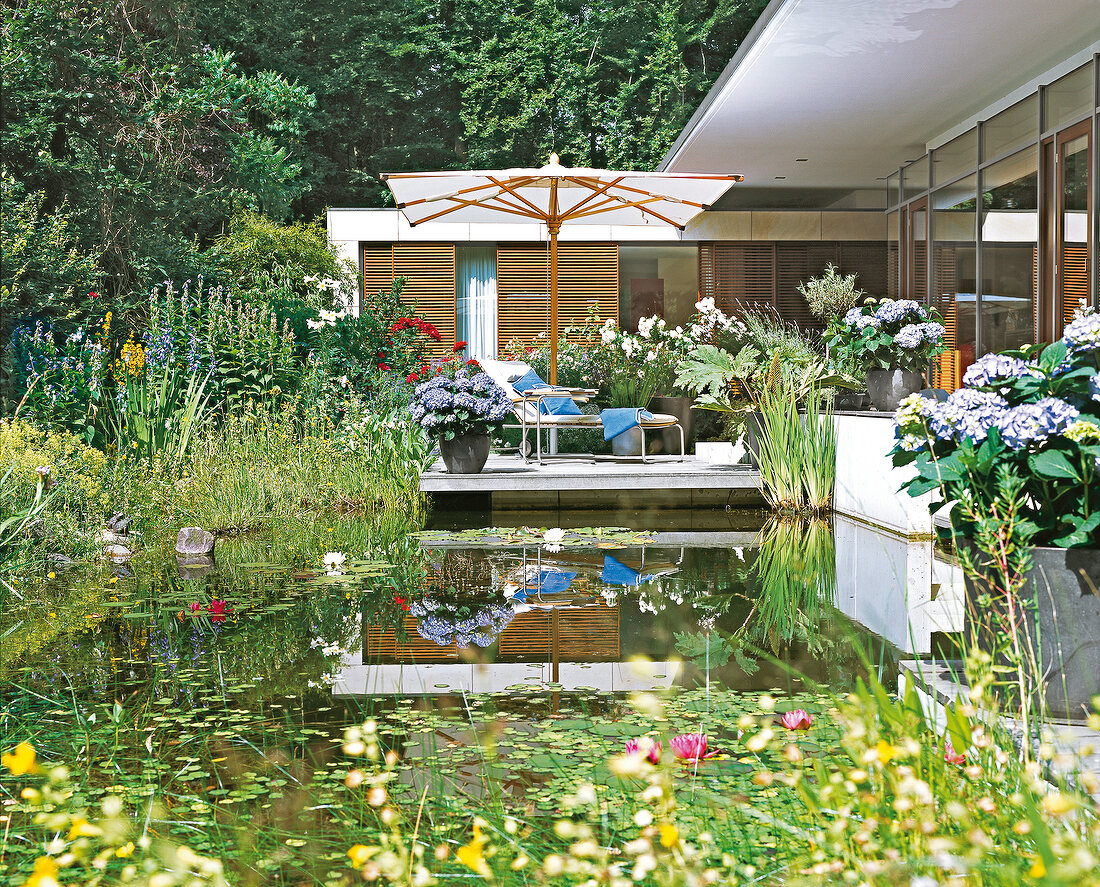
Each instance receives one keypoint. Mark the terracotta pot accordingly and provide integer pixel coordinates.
(1062, 625)
(888, 388)
(465, 453)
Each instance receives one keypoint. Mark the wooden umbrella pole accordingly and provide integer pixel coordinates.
(553, 225)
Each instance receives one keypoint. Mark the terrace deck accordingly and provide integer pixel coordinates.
(574, 483)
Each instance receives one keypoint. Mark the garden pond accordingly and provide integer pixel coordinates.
(501, 665)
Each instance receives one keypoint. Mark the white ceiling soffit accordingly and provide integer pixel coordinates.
(858, 87)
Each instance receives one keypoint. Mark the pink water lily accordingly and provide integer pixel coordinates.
(217, 610)
(691, 746)
(195, 608)
(652, 750)
(952, 756)
(799, 719)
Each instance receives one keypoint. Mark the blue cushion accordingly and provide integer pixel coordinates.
(555, 406)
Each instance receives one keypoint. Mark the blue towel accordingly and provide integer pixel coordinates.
(615, 572)
(555, 406)
(616, 421)
(549, 582)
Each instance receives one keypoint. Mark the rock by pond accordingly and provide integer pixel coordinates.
(194, 541)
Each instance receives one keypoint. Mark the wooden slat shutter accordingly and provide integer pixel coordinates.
(944, 288)
(737, 273)
(377, 268)
(429, 269)
(1075, 280)
(796, 263)
(384, 645)
(870, 261)
(588, 279)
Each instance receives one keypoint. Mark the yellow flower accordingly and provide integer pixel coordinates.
(669, 835)
(81, 828)
(45, 873)
(1038, 870)
(471, 854)
(884, 751)
(125, 850)
(359, 854)
(20, 761)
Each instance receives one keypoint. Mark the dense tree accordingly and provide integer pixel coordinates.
(148, 138)
(424, 84)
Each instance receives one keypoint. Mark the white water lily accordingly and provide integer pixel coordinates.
(334, 560)
(554, 535)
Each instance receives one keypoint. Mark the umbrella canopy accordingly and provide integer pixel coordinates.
(555, 195)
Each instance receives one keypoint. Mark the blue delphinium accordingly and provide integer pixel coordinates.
(1035, 423)
(991, 369)
(967, 413)
(1083, 334)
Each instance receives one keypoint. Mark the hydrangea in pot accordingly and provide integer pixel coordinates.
(463, 411)
(892, 342)
(1029, 418)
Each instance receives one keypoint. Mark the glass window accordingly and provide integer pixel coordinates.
(1012, 128)
(893, 189)
(1010, 251)
(1068, 98)
(661, 280)
(954, 291)
(914, 178)
(956, 157)
(893, 256)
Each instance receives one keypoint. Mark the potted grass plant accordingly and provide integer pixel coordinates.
(1020, 444)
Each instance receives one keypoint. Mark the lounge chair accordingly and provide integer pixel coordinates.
(530, 413)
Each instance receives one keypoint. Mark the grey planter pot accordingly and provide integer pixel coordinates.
(668, 439)
(629, 443)
(888, 388)
(465, 453)
(1064, 628)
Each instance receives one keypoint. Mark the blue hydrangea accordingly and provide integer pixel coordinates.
(436, 399)
(895, 311)
(966, 413)
(853, 316)
(866, 320)
(1034, 423)
(991, 369)
(465, 401)
(933, 332)
(1094, 386)
(909, 337)
(1083, 334)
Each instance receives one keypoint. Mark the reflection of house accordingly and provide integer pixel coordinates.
(891, 138)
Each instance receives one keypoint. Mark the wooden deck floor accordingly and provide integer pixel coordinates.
(511, 482)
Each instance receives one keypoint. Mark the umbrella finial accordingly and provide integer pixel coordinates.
(554, 160)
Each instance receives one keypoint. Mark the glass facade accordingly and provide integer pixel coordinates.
(954, 290)
(1068, 98)
(956, 157)
(1012, 128)
(893, 256)
(998, 227)
(1010, 251)
(661, 280)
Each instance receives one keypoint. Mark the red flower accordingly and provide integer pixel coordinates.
(459, 346)
(217, 610)
(412, 377)
(93, 295)
(403, 603)
(196, 607)
(952, 756)
(473, 363)
(383, 366)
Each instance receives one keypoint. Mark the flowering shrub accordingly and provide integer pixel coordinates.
(896, 333)
(469, 403)
(460, 622)
(1034, 413)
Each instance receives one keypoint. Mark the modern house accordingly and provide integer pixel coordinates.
(944, 150)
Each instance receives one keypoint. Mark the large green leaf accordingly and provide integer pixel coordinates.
(1053, 464)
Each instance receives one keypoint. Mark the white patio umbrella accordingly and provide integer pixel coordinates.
(556, 195)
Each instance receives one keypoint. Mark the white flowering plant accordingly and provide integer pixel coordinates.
(892, 333)
(1032, 414)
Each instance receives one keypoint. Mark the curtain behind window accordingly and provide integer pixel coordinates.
(476, 299)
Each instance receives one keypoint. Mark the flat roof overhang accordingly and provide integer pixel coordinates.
(839, 93)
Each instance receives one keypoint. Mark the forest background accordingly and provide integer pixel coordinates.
(154, 140)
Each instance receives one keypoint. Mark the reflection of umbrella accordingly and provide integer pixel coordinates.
(553, 195)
